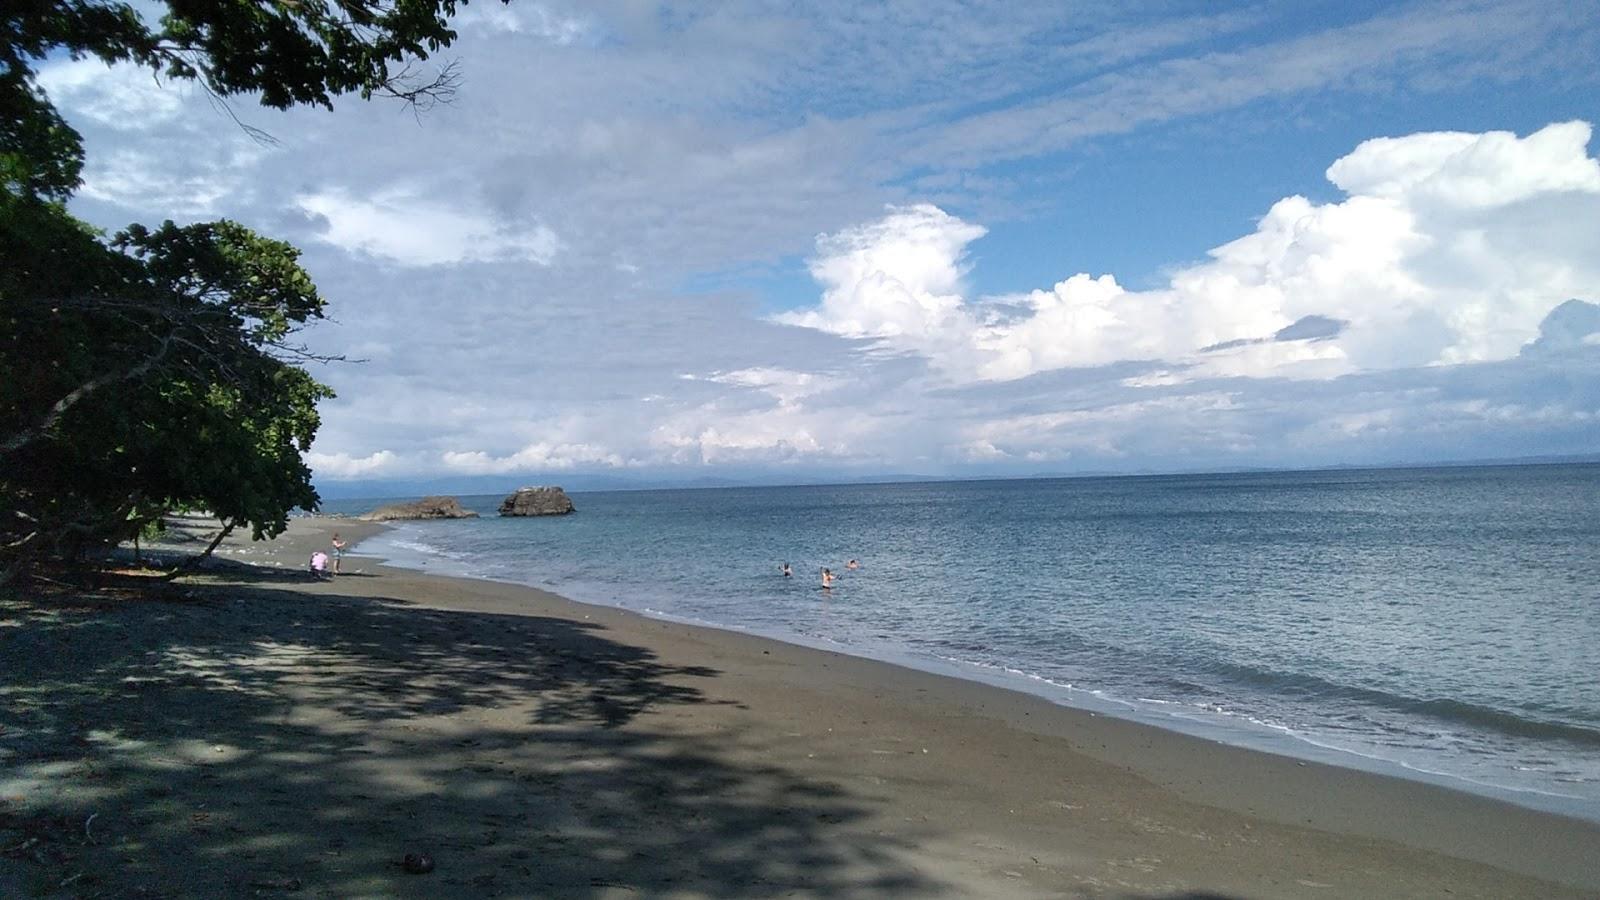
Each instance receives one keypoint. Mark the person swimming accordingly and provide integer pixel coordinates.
(785, 570)
(852, 564)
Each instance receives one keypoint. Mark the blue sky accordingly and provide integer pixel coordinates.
(658, 242)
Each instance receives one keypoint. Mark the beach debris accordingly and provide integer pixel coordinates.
(281, 884)
(87, 834)
(417, 863)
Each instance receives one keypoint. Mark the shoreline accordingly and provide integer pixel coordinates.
(1231, 732)
(954, 785)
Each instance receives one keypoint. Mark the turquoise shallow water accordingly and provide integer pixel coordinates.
(1442, 624)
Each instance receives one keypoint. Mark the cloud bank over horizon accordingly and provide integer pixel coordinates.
(1449, 252)
(1448, 248)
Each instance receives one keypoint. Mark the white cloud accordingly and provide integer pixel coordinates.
(631, 184)
(122, 97)
(131, 176)
(786, 431)
(742, 438)
(1462, 170)
(399, 226)
(899, 277)
(535, 457)
(788, 387)
(341, 466)
(531, 19)
(146, 116)
(1449, 248)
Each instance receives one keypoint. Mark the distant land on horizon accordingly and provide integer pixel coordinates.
(487, 485)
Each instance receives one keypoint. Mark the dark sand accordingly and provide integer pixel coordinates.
(257, 733)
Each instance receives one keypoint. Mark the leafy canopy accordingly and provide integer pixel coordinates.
(286, 52)
(157, 367)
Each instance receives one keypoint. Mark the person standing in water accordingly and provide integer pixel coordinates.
(827, 579)
(338, 552)
(785, 570)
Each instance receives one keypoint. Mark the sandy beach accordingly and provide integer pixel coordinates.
(254, 732)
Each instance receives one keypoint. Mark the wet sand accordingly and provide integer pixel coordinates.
(256, 732)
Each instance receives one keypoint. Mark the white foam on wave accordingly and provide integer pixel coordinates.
(421, 547)
(665, 616)
(1453, 776)
(1219, 722)
(1374, 755)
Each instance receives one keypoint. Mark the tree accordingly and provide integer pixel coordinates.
(148, 372)
(157, 367)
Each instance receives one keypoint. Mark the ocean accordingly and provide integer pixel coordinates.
(1438, 624)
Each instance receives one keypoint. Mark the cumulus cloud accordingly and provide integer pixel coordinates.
(341, 466)
(536, 457)
(1473, 171)
(897, 281)
(400, 226)
(1448, 248)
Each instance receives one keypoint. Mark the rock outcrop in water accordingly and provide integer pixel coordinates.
(426, 508)
(537, 501)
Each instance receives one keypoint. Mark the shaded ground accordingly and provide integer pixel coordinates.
(187, 747)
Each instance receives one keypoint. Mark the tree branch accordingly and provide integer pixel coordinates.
(28, 436)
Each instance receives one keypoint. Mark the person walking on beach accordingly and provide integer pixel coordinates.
(338, 552)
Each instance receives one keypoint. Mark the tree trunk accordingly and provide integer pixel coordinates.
(195, 562)
(27, 436)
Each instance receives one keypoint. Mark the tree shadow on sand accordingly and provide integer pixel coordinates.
(199, 748)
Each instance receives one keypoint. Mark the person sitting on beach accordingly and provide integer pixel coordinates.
(785, 570)
(338, 552)
(827, 578)
(852, 564)
(319, 564)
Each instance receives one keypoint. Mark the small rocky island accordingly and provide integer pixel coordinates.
(537, 501)
(426, 508)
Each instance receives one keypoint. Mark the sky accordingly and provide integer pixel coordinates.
(662, 243)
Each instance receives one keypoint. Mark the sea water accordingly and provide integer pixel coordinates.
(1442, 624)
